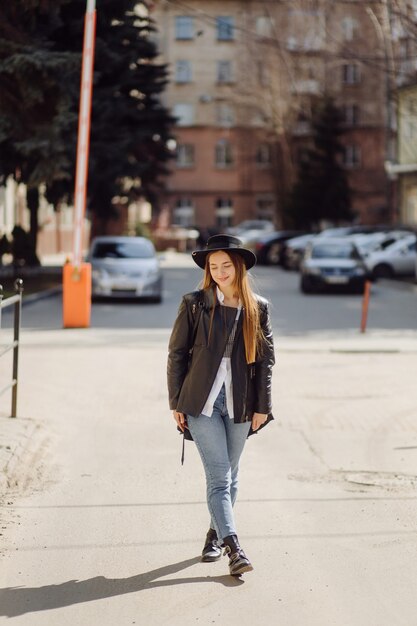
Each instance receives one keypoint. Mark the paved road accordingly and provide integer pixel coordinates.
(104, 526)
(392, 307)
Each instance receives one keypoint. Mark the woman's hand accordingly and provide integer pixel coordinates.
(258, 419)
(180, 419)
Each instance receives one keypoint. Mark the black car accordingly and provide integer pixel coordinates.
(269, 247)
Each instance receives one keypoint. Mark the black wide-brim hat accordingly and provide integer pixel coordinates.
(225, 243)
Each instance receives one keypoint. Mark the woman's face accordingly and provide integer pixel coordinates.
(222, 269)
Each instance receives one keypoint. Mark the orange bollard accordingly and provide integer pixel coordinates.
(76, 306)
(365, 305)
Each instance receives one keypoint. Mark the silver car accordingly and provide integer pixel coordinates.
(331, 263)
(398, 259)
(124, 267)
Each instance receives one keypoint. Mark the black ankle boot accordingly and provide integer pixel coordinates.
(238, 561)
(212, 550)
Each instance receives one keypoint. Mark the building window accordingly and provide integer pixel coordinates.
(263, 154)
(225, 115)
(183, 213)
(404, 49)
(184, 27)
(224, 212)
(349, 26)
(351, 156)
(223, 153)
(259, 118)
(225, 28)
(185, 155)
(265, 207)
(306, 29)
(351, 74)
(410, 128)
(264, 74)
(224, 72)
(264, 26)
(350, 114)
(184, 114)
(183, 72)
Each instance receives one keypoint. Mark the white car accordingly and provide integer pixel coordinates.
(125, 267)
(376, 242)
(398, 259)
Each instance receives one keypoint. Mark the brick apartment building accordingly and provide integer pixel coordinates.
(244, 76)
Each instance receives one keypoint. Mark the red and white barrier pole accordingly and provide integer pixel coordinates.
(77, 275)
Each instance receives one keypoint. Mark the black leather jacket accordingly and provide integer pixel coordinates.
(190, 378)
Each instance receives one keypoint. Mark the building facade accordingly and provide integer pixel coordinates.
(244, 78)
(404, 170)
(225, 162)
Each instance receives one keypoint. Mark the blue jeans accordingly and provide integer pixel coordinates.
(220, 443)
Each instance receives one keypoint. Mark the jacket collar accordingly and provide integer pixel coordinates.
(209, 300)
(220, 298)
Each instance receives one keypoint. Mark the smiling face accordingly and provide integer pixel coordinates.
(222, 269)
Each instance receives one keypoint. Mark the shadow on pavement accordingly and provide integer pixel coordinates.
(16, 601)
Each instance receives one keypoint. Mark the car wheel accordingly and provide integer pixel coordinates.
(383, 270)
(273, 255)
(305, 285)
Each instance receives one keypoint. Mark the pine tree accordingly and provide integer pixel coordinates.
(33, 110)
(321, 192)
(40, 67)
(129, 126)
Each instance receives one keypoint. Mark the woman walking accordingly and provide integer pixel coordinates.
(219, 380)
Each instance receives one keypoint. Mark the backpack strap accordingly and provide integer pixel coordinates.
(196, 310)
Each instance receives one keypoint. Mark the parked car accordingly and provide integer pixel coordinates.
(354, 229)
(398, 259)
(243, 227)
(330, 263)
(269, 247)
(125, 267)
(293, 251)
(367, 244)
(363, 235)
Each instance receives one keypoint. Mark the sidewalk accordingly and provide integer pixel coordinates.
(110, 526)
(18, 436)
(328, 493)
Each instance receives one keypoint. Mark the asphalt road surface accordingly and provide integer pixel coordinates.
(392, 306)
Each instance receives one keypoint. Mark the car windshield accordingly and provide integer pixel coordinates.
(332, 251)
(122, 250)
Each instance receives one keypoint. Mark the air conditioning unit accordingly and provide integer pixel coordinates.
(205, 98)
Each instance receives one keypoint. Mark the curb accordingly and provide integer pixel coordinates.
(35, 297)
(41, 295)
(397, 285)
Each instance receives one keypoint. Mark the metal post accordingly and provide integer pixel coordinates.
(18, 285)
(365, 305)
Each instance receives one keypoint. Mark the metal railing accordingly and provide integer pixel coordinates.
(15, 300)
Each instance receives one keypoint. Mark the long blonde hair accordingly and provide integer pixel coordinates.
(252, 333)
